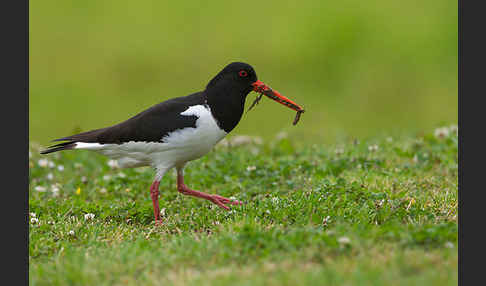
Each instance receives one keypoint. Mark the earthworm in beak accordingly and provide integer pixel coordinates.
(262, 88)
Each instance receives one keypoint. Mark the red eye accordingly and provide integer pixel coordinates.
(243, 73)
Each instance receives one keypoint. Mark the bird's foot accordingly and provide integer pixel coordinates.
(222, 201)
(158, 222)
(215, 199)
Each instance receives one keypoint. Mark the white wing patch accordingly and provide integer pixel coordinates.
(88, 146)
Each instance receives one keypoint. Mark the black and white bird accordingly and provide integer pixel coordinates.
(178, 130)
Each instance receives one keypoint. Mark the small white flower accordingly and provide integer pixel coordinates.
(121, 175)
(89, 216)
(71, 233)
(32, 214)
(344, 240)
(162, 212)
(373, 148)
(50, 176)
(60, 168)
(55, 190)
(233, 198)
(34, 220)
(251, 168)
(51, 222)
(40, 188)
(441, 132)
(43, 162)
(275, 200)
(268, 212)
(449, 244)
(113, 164)
(106, 177)
(84, 179)
(51, 164)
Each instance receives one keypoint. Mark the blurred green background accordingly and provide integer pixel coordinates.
(360, 68)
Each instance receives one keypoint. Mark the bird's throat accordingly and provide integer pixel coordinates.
(227, 106)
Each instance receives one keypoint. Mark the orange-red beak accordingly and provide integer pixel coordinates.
(262, 88)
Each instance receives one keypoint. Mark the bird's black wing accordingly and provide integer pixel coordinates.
(150, 125)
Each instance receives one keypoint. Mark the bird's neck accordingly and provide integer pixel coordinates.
(227, 105)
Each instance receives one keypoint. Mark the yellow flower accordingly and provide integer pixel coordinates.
(78, 191)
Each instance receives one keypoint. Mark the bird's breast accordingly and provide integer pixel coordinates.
(191, 143)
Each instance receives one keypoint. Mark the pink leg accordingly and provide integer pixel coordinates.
(219, 200)
(154, 194)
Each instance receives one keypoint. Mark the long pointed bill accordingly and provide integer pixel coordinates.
(262, 88)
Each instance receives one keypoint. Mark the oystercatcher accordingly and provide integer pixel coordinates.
(178, 130)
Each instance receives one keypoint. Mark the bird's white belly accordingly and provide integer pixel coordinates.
(175, 149)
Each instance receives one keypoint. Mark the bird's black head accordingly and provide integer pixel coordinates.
(237, 77)
(227, 91)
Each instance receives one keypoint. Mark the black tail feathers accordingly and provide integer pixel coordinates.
(59, 147)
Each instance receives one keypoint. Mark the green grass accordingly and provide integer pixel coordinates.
(340, 214)
(359, 68)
